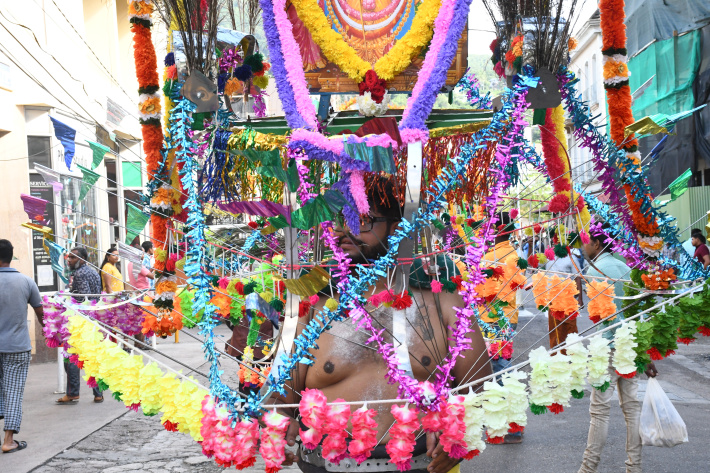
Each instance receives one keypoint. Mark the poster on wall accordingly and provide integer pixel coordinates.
(45, 278)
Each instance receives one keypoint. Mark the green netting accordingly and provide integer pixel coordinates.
(675, 63)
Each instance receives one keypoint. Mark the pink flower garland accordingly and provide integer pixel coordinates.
(402, 441)
(247, 438)
(273, 441)
(364, 437)
(313, 409)
(454, 428)
(293, 63)
(335, 422)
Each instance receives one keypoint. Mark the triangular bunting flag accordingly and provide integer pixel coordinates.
(88, 181)
(135, 222)
(65, 134)
(99, 151)
(51, 177)
(34, 208)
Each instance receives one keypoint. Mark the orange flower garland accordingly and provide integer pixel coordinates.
(563, 304)
(601, 304)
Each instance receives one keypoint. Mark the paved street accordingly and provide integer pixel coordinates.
(107, 438)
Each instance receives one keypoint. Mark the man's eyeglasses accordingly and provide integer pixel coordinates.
(367, 221)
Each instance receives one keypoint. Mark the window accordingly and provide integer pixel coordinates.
(586, 81)
(593, 82)
(39, 151)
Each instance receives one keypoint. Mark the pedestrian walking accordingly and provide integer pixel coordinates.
(17, 291)
(85, 281)
(111, 278)
(606, 266)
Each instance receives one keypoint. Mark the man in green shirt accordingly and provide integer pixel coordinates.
(605, 265)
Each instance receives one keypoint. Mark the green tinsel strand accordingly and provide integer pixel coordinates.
(117, 396)
(438, 224)
(537, 410)
(577, 394)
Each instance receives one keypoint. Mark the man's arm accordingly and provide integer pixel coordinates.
(39, 312)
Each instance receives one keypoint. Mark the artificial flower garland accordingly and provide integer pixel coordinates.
(132, 382)
(337, 51)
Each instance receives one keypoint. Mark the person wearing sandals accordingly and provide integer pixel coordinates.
(84, 281)
(15, 346)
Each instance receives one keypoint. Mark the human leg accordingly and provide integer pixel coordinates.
(73, 379)
(631, 407)
(599, 406)
(14, 376)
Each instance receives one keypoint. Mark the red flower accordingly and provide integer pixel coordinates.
(493, 45)
(239, 287)
(513, 213)
(533, 261)
(537, 228)
(627, 375)
(558, 314)
(654, 354)
(558, 204)
(304, 307)
(687, 341)
(470, 222)
(377, 93)
(580, 203)
(402, 302)
(595, 319)
(471, 454)
(253, 225)
(515, 428)
(494, 440)
(371, 79)
(556, 408)
(170, 427)
(458, 280)
(498, 272)
(282, 287)
(669, 353)
(704, 331)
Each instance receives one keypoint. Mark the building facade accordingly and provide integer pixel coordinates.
(586, 64)
(71, 61)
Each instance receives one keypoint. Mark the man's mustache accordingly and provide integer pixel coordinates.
(351, 237)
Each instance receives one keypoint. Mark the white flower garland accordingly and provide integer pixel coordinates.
(598, 363)
(517, 396)
(495, 408)
(624, 344)
(540, 386)
(474, 422)
(578, 356)
(370, 108)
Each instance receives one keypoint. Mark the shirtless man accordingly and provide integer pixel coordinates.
(347, 367)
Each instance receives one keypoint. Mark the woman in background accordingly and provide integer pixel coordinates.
(111, 279)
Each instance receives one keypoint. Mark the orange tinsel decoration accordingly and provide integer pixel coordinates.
(144, 57)
(644, 224)
(620, 115)
(611, 20)
(152, 142)
(601, 301)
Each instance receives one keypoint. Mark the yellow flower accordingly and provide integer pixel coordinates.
(260, 81)
(150, 106)
(336, 50)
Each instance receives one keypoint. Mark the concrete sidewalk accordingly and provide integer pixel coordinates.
(49, 428)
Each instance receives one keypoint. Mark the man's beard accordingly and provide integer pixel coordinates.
(367, 253)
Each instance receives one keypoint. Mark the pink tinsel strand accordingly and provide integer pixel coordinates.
(357, 189)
